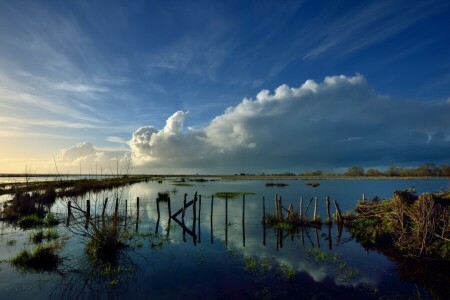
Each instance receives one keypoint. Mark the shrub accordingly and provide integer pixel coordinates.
(41, 258)
(30, 221)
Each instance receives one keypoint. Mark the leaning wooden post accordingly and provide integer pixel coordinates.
(104, 207)
(211, 218)
(169, 208)
(184, 208)
(276, 206)
(69, 212)
(338, 212)
(126, 212)
(327, 201)
(300, 209)
(157, 207)
(243, 220)
(116, 210)
(199, 214)
(88, 213)
(194, 212)
(226, 219)
(315, 209)
(137, 213)
(264, 221)
(330, 242)
(264, 211)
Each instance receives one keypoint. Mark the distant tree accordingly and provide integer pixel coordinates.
(355, 171)
(317, 173)
(392, 170)
(373, 172)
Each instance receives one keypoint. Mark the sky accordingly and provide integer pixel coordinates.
(222, 87)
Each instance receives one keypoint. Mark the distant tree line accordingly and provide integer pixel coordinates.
(425, 170)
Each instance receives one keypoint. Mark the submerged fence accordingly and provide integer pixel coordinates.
(82, 212)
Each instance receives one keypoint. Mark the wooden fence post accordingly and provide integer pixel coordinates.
(264, 221)
(226, 219)
(211, 218)
(88, 213)
(243, 220)
(184, 208)
(315, 209)
(327, 201)
(104, 207)
(169, 208)
(199, 212)
(338, 212)
(126, 212)
(137, 213)
(69, 212)
(300, 209)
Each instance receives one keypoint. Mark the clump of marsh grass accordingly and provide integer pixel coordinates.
(39, 236)
(34, 220)
(44, 257)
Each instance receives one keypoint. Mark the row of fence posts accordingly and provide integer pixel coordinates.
(197, 198)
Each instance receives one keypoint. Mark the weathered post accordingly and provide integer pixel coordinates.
(264, 221)
(300, 209)
(317, 237)
(126, 212)
(338, 212)
(243, 220)
(264, 211)
(88, 213)
(327, 201)
(116, 210)
(315, 209)
(276, 207)
(199, 214)
(363, 197)
(69, 212)
(104, 207)
(184, 208)
(211, 218)
(137, 213)
(226, 219)
(330, 242)
(157, 207)
(194, 212)
(169, 208)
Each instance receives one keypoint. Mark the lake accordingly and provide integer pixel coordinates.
(224, 255)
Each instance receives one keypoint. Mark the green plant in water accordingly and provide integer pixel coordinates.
(37, 237)
(43, 257)
(30, 221)
(251, 264)
(51, 220)
(287, 271)
(231, 195)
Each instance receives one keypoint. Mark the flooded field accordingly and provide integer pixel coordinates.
(220, 250)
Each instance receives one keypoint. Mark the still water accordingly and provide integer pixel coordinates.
(224, 255)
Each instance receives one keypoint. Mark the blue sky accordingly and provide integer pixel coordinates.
(83, 81)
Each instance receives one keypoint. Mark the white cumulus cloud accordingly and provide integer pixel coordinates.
(338, 122)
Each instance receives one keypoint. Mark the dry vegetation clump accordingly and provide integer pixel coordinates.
(25, 203)
(414, 225)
